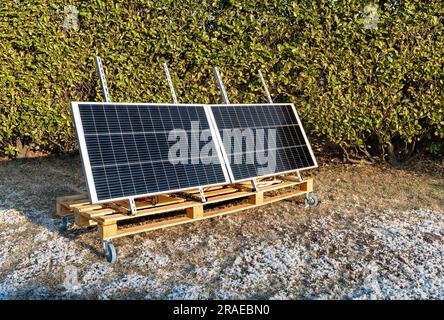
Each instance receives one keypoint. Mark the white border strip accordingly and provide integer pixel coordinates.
(84, 152)
(219, 144)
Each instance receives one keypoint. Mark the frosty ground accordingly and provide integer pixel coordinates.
(378, 234)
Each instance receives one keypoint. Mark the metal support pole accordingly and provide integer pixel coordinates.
(224, 95)
(221, 86)
(173, 94)
(265, 87)
(101, 72)
(170, 82)
(299, 175)
(102, 78)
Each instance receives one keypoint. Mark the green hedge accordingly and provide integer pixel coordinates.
(367, 90)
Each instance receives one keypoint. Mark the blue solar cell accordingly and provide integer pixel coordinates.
(270, 139)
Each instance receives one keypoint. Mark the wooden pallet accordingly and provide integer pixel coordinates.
(108, 216)
(171, 210)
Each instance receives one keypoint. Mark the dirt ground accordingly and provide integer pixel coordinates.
(378, 234)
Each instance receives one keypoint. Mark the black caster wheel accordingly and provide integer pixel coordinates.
(65, 224)
(110, 252)
(311, 200)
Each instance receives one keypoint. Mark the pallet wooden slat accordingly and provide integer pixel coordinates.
(151, 211)
(89, 207)
(97, 213)
(78, 204)
(219, 192)
(152, 226)
(226, 197)
(161, 201)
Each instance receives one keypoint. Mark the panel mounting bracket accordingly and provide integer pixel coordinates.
(101, 72)
(202, 195)
(292, 179)
(132, 206)
(254, 185)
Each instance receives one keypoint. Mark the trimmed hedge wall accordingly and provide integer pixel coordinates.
(369, 90)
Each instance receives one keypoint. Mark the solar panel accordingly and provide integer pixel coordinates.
(262, 140)
(125, 149)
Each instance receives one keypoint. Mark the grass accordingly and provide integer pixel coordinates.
(371, 217)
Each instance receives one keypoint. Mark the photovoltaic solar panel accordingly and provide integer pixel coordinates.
(262, 140)
(125, 149)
